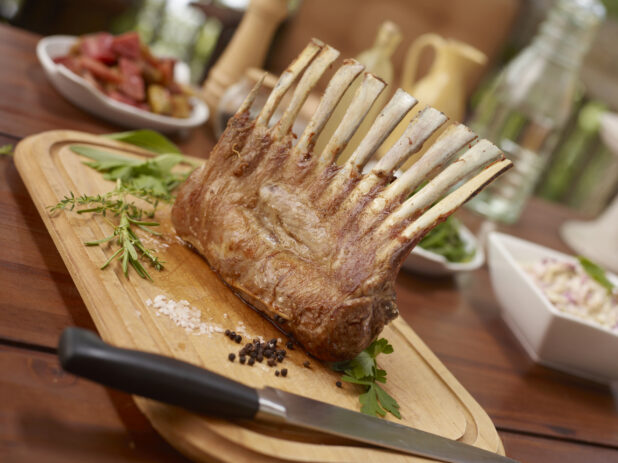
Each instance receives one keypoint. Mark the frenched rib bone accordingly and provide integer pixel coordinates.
(313, 245)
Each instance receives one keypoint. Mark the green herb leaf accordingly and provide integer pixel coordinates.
(363, 370)
(6, 150)
(369, 402)
(105, 158)
(387, 401)
(596, 273)
(380, 346)
(445, 240)
(146, 139)
(362, 365)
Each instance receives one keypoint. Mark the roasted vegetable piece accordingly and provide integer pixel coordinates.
(159, 99)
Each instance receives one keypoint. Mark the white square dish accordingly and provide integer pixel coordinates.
(550, 337)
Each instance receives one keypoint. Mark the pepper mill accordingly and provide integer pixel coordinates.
(247, 48)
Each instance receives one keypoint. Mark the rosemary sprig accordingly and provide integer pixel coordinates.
(118, 204)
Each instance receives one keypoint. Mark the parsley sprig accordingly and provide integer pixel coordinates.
(151, 181)
(363, 370)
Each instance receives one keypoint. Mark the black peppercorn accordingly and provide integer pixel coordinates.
(306, 364)
(251, 361)
(338, 383)
(231, 357)
(276, 372)
(284, 372)
(290, 345)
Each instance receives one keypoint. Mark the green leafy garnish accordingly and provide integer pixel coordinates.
(151, 181)
(147, 139)
(363, 370)
(6, 150)
(596, 273)
(154, 174)
(446, 241)
(117, 203)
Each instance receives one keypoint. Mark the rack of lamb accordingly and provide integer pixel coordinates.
(312, 244)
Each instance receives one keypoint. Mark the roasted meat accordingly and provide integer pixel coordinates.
(313, 245)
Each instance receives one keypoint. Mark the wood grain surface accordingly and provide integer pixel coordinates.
(430, 398)
(542, 416)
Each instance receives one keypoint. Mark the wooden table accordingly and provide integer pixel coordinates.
(46, 415)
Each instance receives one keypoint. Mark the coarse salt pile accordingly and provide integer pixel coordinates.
(183, 315)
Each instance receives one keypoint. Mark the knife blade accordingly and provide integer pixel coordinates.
(179, 383)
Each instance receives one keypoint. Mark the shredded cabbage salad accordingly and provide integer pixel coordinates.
(572, 290)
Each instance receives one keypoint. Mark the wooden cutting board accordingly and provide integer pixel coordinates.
(430, 397)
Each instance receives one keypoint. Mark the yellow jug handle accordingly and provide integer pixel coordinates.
(414, 52)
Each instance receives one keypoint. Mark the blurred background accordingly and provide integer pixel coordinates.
(581, 171)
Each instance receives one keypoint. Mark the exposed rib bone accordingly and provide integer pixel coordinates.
(419, 130)
(450, 142)
(387, 120)
(310, 78)
(246, 105)
(337, 86)
(478, 156)
(369, 89)
(391, 115)
(456, 198)
(445, 207)
(286, 80)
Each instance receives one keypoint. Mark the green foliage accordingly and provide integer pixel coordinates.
(116, 203)
(446, 241)
(147, 139)
(151, 181)
(154, 174)
(596, 273)
(363, 370)
(6, 150)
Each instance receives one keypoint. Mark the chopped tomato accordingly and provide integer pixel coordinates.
(133, 86)
(129, 68)
(127, 45)
(70, 62)
(100, 70)
(98, 47)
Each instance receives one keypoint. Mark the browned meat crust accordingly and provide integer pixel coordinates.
(305, 266)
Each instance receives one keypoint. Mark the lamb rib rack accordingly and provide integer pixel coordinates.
(313, 245)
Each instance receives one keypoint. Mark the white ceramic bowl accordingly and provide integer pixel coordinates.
(550, 337)
(429, 263)
(81, 93)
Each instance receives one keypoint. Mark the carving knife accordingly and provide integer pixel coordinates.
(178, 383)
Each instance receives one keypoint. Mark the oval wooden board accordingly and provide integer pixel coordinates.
(430, 397)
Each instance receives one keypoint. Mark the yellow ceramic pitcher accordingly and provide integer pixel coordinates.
(444, 86)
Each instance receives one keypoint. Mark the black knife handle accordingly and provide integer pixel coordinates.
(154, 376)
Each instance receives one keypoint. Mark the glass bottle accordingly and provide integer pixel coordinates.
(528, 104)
(377, 60)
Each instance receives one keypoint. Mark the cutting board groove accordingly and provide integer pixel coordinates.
(431, 398)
